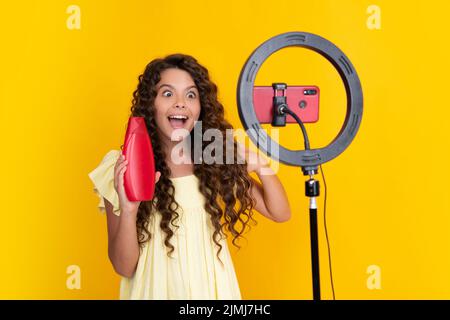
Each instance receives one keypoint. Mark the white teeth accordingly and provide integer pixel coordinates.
(178, 117)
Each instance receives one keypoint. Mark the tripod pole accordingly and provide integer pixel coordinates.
(314, 248)
(312, 191)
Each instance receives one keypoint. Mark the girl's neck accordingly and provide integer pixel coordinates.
(179, 163)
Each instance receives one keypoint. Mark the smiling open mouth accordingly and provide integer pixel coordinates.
(177, 121)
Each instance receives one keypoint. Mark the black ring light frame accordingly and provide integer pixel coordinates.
(308, 159)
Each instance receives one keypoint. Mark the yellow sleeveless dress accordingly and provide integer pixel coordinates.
(194, 272)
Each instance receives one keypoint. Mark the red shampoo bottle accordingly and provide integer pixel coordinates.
(139, 178)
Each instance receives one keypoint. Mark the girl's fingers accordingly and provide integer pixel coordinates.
(121, 182)
(119, 167)
(157, 176)
(120, 172)
(123, 164)
(118, 162)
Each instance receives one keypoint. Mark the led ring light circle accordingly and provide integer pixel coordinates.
(308, 159)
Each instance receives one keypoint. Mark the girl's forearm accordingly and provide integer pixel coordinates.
(124, 248)
(275, 197)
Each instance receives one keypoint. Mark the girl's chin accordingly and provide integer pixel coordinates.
(174, 134)
(177, 134)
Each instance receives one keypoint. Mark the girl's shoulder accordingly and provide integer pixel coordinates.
(102, 177)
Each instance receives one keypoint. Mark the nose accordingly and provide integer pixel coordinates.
(180, 105)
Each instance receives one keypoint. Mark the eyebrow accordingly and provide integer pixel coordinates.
(170, 86)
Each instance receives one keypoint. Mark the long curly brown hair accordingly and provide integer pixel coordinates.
(220, 183)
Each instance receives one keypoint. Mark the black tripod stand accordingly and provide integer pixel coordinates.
(312, 188)
(312, 191)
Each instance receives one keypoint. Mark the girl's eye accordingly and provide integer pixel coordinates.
(192, 95)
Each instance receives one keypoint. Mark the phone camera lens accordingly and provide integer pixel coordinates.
(309, 92)
(302, 104)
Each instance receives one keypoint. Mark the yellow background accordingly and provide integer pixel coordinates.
(65, 98)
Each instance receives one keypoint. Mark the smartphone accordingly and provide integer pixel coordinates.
(302, 100)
